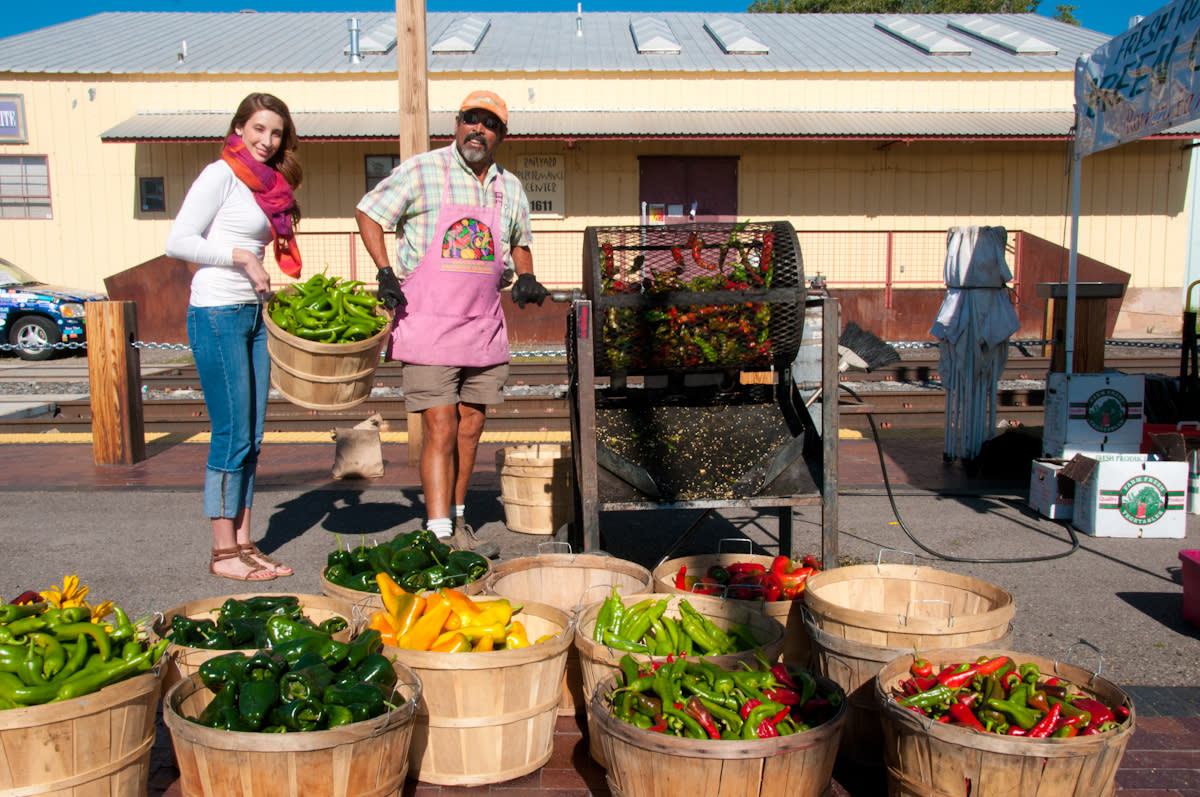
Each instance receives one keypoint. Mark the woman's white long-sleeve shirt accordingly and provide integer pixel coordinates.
(218, 215)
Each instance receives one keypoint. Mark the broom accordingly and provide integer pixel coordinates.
(875, 352)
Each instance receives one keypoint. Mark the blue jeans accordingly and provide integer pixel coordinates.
(229, 344)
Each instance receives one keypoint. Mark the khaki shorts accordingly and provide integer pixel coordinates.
(428, 386)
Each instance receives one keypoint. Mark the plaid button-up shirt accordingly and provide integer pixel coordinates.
(410, 198)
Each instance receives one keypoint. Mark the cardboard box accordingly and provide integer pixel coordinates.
(1191, 586)
(1050, 496)
(1129, 499)
(1103, 451)
(1103, 408)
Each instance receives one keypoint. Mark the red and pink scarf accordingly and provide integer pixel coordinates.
(273, 195)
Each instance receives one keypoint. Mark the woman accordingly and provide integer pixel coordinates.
(232, 210)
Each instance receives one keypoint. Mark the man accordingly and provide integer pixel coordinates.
(462, 229)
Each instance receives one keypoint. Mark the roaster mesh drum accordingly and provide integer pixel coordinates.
(696, 297)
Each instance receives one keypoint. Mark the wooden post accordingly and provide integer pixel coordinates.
(114, 381)
(413, 80)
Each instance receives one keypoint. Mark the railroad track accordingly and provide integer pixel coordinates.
(547, 408)
(913, 400)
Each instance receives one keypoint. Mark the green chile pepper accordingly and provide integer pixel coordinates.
(435, 577)
(337, 574)
(368, 642)
(306, 683)
(339, 557)
(337, 716)
(256, 699)
(220, 672)
(333, 625)
(97, 634)
(378, 670)
(409, 559)
(349, 694)
(264, 666)
(298, 715)
(10, 612)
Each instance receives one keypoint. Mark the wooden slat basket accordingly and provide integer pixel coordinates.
(322, 376)
(598, 661)
(95, 744)
(862, 616)
(941, 760)
(648, 764)
(182, 660)
(568, 581)
(368, 758)
(537, 487)
(489, 717)
(370, 602)
(796, 647)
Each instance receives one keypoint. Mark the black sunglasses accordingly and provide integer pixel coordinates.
(489, 121)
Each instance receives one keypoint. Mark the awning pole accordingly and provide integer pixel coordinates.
(1073, 258)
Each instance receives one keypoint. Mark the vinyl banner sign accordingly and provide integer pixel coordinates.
(1142, 82)
(12, 119)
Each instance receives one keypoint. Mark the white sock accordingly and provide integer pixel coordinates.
(460, 510)
(441, 527)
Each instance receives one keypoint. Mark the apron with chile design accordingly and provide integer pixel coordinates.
(453, 315)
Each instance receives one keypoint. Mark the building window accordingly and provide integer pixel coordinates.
(150, 194)
(379, 167)
(24, 188)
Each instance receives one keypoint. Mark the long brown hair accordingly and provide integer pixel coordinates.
(284, 160)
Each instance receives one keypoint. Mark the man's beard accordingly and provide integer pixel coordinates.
(473, 155)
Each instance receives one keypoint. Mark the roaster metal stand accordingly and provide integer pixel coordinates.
(801, 471)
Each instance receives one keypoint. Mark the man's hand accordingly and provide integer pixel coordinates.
(389, 289)
(528, 289)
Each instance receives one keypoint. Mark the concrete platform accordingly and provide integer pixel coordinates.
(135, 535)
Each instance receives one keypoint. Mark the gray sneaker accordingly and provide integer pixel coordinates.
(465, 540)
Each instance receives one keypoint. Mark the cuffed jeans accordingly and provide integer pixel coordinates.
(229, 344)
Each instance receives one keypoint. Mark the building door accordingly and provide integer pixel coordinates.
(677, 190)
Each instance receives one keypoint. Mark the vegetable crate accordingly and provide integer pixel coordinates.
(695, 296)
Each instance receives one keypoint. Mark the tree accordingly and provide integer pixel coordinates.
(902, 7)
(1065, 14)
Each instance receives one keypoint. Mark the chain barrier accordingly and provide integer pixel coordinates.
(561, 353)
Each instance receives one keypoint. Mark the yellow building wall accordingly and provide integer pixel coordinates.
(1132, 215)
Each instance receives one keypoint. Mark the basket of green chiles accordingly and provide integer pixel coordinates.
(327, 310)
(416, 560)
(324, 337)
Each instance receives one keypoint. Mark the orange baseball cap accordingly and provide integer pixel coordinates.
(486, 101)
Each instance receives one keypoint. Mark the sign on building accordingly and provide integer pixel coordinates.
(544, 179)
(1141, 82)
(12, 119)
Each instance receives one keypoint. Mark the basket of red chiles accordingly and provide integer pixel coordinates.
(978, 712)
(776, 584)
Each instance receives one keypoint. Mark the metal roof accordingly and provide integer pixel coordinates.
(581, 124)
(181, 43)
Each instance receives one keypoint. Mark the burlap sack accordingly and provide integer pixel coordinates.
(359, 453)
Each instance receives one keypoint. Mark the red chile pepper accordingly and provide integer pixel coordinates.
(944, 718)
(1015, 730)
(909, 687)
(681, 578)
(961, 714)
(780, 671)
(772, 588)
(1122, 712)
(660, 724)
(781, 694)
(1046, 725)
(1010, 681)
(794, 582)
(749, 706)
(677, 255)
(739, 568)
(696, 244)
(1100, 712)
(926, 683)
(697, 711)
(610, 261)
(958, 676)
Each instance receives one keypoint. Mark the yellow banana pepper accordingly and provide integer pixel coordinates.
(456, 643)
(425, 630)
(484, 644)
(390, 592)
(410, 607)
(516, 637)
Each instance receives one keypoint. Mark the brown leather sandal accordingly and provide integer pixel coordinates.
(251, 552)
(224, 554)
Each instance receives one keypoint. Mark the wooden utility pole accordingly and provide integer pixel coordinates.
(413, 78)
(114, 383)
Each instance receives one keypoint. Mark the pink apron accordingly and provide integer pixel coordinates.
(453, 315)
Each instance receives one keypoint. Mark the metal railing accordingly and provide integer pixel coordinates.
(890, 260)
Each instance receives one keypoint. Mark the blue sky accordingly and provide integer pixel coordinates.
(1106, 16)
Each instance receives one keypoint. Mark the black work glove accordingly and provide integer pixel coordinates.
(528, 289)
(389, 289)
